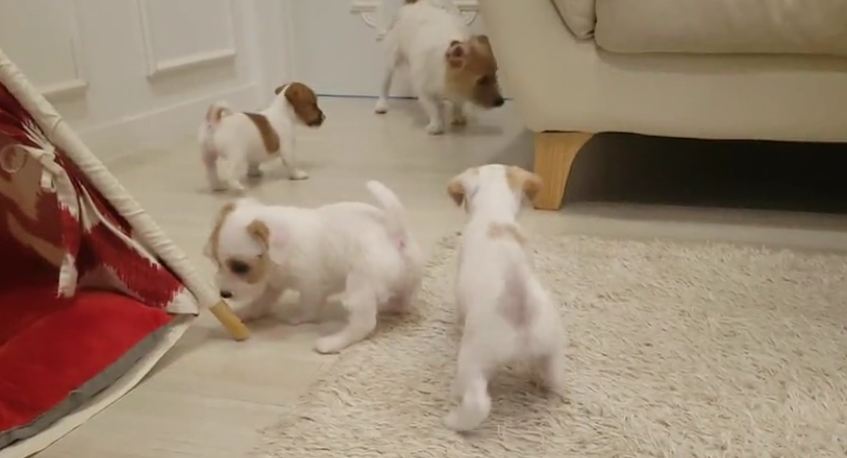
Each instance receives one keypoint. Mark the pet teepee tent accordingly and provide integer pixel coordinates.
(92, 293)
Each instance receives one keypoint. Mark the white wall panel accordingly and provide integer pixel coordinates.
(42, 36)
(180, 34)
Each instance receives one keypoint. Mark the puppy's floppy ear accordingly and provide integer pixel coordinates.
(456, 189)
(529, 183)
(456, 54)
(260, 232)
(274, 238)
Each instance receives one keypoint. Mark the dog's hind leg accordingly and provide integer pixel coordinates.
(471, 386)
(390, 64)
(235, 170)
(361, 301)
(210, 162)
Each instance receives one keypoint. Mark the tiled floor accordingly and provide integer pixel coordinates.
(210, 395)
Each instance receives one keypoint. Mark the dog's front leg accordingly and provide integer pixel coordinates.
(459, 117)
(261, 306)
(309, 308)
(360, 300)
(432, 106)
(289, 160)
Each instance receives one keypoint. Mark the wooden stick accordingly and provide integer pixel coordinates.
(230, 321)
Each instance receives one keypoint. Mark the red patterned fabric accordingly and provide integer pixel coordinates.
(77, 291)
(76, 220)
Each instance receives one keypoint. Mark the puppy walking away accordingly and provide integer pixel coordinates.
(506, 313)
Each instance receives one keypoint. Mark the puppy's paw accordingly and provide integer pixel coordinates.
(299, 317)
(381, 106)
(298, 175)
(250, 313)
(435, 128)
(236, 187)
(454, 421)
(329, 345)
(254, 172)
(459, 119)
(219, 186)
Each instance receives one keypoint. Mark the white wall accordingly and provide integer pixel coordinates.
(130, 73)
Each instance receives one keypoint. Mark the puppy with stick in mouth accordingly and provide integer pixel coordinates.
(445, 61)
(506, 313)
(242, 141)
(363, 252)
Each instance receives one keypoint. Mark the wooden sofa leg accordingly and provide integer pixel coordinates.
(230, 321)
(554, 155)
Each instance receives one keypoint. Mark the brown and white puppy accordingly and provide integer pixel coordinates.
(243, 141)
(445, 62)
(364, 253)
(506, 313)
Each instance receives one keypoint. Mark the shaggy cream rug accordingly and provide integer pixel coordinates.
(674, 350)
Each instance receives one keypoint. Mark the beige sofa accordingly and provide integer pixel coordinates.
(717, 69)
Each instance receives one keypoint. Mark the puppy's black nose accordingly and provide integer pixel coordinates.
(226, 294)
(499, 101)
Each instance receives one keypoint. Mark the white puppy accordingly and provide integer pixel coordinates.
(363, 252)
(507, 314)
(445, 62)
(243, 141)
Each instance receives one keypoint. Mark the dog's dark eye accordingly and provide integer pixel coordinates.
(485, 80)
(238, 267)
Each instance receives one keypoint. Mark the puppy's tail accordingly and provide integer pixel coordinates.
(395, 213)
(216, 112)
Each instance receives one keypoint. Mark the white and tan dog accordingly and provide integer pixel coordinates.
(446, 62)
(243, 141)
(506, 313)
(363, 252)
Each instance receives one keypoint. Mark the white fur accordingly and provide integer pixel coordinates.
(234, 143)
(419, 37)
(361, 251)
(495, 273)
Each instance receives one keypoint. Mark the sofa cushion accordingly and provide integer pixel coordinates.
(722, 26)
(578, 16)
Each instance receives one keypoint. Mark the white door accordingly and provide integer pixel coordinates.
(335, 44)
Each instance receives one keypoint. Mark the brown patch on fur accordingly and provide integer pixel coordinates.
(211, 249)
(527, 182)
(506, 230)
(513, 304)
(516, 313)
(472, 71)
(305, 103)
(269, 136)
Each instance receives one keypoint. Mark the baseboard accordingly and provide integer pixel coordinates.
(159, 127)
